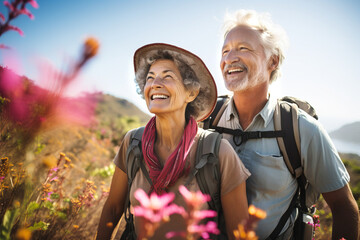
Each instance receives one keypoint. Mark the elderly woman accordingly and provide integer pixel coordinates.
(179, 90)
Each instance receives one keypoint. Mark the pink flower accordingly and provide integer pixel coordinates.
(53, 179)
(10, 6)
(33, 3)
(26, 12)
(196, 200)
(155, 208)
(204, 230)
(204, 214)
(3, 46)
(2, 17)
(10, 27)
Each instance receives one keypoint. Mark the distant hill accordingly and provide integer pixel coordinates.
(110, 107)
(349, 132)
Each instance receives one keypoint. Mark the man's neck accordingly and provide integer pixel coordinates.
(250, 102)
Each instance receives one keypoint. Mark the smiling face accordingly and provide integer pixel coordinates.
(164, 90)
(243, 62)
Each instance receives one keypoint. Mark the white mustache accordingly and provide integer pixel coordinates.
(235, 65)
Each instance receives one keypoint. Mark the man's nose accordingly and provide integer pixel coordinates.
(231, 57)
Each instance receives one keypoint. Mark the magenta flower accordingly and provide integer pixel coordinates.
(33, 3)
(27, 12)
(10, 6)
(54, 178)
(156, 208)
(204, 230)
(2, 17)
(196, 200)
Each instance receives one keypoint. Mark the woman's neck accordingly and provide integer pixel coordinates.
(169, 131)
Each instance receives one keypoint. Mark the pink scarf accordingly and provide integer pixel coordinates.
(163, 177)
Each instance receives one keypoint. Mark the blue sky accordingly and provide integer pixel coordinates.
(321, 64)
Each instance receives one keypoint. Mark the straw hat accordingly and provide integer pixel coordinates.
(197, 65)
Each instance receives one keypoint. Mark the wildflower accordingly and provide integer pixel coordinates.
(23, 234)
(245, 230)
(195, 200)
(76, 226)
(204, 230)
(91, 47)
(155, 208)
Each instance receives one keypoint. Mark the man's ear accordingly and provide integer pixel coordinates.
(192, 95)
(273, 62)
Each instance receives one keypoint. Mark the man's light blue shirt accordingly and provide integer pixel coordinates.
(271, 186)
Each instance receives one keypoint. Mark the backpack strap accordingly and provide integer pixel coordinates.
(286, 120)
(134, 161)
(207, 173)
(221, 104)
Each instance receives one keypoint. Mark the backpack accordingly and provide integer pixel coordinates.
(288, 138)
(206, 171)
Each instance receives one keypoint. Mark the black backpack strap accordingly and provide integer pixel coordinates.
(286, 120)
(213, 119)
(240, 137)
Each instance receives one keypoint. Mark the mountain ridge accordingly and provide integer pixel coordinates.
(349, 132)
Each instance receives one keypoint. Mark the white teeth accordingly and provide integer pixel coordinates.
(235, 70)
(158, 96)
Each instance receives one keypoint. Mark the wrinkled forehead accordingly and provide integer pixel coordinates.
(163, 65)
(243, 33)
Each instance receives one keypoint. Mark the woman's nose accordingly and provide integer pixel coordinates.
(157, 83)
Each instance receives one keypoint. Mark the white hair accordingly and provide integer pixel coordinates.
(273, 37)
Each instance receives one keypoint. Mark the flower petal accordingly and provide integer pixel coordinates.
(142, 197)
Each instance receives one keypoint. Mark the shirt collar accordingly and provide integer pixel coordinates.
(266, 113)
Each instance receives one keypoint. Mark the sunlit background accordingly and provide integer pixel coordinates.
(321, 65)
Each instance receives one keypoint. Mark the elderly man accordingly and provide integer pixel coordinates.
(252, 54)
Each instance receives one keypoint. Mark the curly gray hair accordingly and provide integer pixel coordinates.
(190, 80)
(274, 38)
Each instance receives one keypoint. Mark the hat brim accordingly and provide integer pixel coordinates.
(197, 65)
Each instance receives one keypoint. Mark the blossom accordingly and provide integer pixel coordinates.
(195, 200)
(10, 27)
(156, 208)
(245, 230)
(2, 17)
(33, 3)
(204, 230)
(26, 12)
(23, 234)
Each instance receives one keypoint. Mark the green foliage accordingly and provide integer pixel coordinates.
(40, 226)
(54, 196)
(32, 207)
(8, 222)
(39, 148)
(104, 172)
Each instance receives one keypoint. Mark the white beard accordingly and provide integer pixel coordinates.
(236, 85)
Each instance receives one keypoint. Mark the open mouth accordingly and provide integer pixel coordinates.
(235, 70)
(158, 96)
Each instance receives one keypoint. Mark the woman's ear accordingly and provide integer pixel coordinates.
(192, 95)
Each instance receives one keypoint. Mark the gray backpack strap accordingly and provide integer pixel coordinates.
(286, 119)
(207, 173)
(134, 161)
